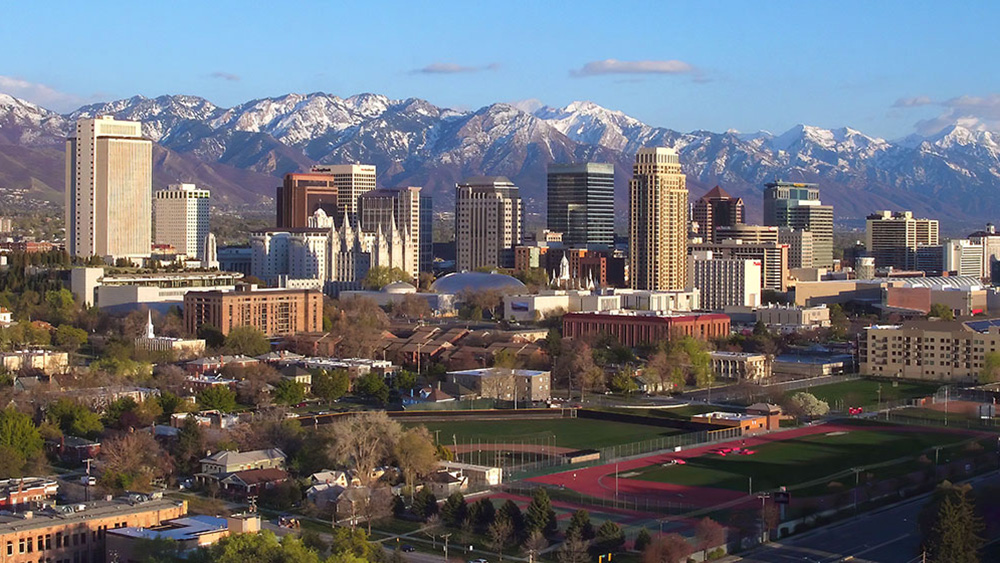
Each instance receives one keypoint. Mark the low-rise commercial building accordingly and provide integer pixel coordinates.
(747, 423)
(49, 362)
(928, 349)
(505, 384)
(160, 291)
(725, 282)
(276, 312)
(78, 532)
(740, 366)
(636, 328)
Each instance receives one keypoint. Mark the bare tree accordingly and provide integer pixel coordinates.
(416, 454)
(364, 441)
(501, 533)
(671, 548)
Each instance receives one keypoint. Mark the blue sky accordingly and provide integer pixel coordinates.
(888, 68)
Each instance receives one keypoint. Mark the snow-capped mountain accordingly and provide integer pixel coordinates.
(241, 152)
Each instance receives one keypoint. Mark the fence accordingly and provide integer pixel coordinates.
(637, 503)
(955, 421)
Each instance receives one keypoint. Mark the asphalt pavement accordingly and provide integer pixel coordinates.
(887, 535)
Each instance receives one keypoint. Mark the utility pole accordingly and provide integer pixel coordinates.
(764, 532)
(446, 536)
(88, 461)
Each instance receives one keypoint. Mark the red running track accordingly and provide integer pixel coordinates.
(599, 481)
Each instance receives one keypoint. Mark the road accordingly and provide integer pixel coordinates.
(888, 535)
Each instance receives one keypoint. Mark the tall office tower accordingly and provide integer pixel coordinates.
(797, 205)
(181, 213)
(300, 195)
(109, 190)
(351, 181)
(658, 225)
(389, 208)
(717, 209)
(894, 238)
(426, 233)
(800, 247)
(489, 222)
(210, 252)
(581, 203)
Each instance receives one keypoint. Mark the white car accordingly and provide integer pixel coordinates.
(88, 480)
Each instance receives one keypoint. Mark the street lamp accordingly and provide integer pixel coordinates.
(763, 522)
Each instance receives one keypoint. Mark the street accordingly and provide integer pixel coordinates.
(884, 536)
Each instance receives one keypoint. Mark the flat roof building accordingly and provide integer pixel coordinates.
(276, 312)
(635, 328)
(581, 203)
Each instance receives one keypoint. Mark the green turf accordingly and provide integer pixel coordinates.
(798, 460)
(581, 433)
(864, 392)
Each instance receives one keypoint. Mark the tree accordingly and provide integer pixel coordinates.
(247, 340)
(671, 548)
(372, 386)
(364, 441)
(839, 323)
(264, 547)
(642, 540)
(535, 543)
(955, 534)
(353, 541)
(512, 513)
(580, 524)
(623, 382)
(69, 338)
(288, 392)
(539, 515)
(190, 445)
(424, 504)
(454, 510)
(331, 385)
(20, 442)
(991, 368)
(411, 307)
(218, 397)
(212, 336)
(804, 404)
(501, 533)
(132, 462)
(941, 311)
(415, 454)
(609, 538)
(381, 276)
(573, 550)
(709, 533)
(482, 513)
(74, 419)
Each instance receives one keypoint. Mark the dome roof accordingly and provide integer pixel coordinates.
(475, 281)
(399, 287)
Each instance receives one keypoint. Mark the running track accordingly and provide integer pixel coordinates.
(599, 481)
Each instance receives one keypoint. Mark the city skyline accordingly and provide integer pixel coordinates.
(877, 85)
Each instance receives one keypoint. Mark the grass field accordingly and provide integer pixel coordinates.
(578, 433)
(865, 392)
(799, 460)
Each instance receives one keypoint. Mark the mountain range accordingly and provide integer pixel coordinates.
(240, 153)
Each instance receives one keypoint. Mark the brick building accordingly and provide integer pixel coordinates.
(276, 312)
(77, 532)
(634, 328)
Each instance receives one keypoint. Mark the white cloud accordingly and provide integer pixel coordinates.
(452, 68)
(980, 113)
(913, 102)
(612, 66)
(225, 76)
(40, 94)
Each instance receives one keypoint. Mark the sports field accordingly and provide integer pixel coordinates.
(865, 392)
(798, 460)
(574, 433)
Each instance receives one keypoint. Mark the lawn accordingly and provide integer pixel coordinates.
(864, 392)
(798, 460)
(579, 433)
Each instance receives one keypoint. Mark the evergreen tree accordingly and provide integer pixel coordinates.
(609, 538)
(955, 536)
(580, 524)
(540, 515)
(642, 540)
(424, 504)
(454, 510)
(512, 513)
(485, 515)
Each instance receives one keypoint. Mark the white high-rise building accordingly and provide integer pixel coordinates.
(965, 258)
(725, 282)
(181, 213)
(658, 226)
(350, 180)
(489, 222)
(109, 189)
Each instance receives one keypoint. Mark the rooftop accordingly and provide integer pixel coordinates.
(482, 372)
(730, 416)
(179, 529)
(75, 513)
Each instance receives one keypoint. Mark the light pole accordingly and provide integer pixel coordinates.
(857, 483)
(446, 536)
(763, 521)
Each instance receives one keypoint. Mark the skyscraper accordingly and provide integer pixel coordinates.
(351, 181)
(109, 185)
(426, 233)
(797, 205)
(300, 195)
(895, 238)
(399, 208)
(181, 213)
(658, 211)
(581, 203)
(717, 209)
(489, 220)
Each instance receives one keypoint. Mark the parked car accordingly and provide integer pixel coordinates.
(88, 481)
(407, 548)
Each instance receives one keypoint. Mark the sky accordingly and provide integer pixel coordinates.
(887, 68)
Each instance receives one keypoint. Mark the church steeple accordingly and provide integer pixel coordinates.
(149, 325)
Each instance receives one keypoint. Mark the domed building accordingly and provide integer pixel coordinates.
(399, 288)
(476, 281)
